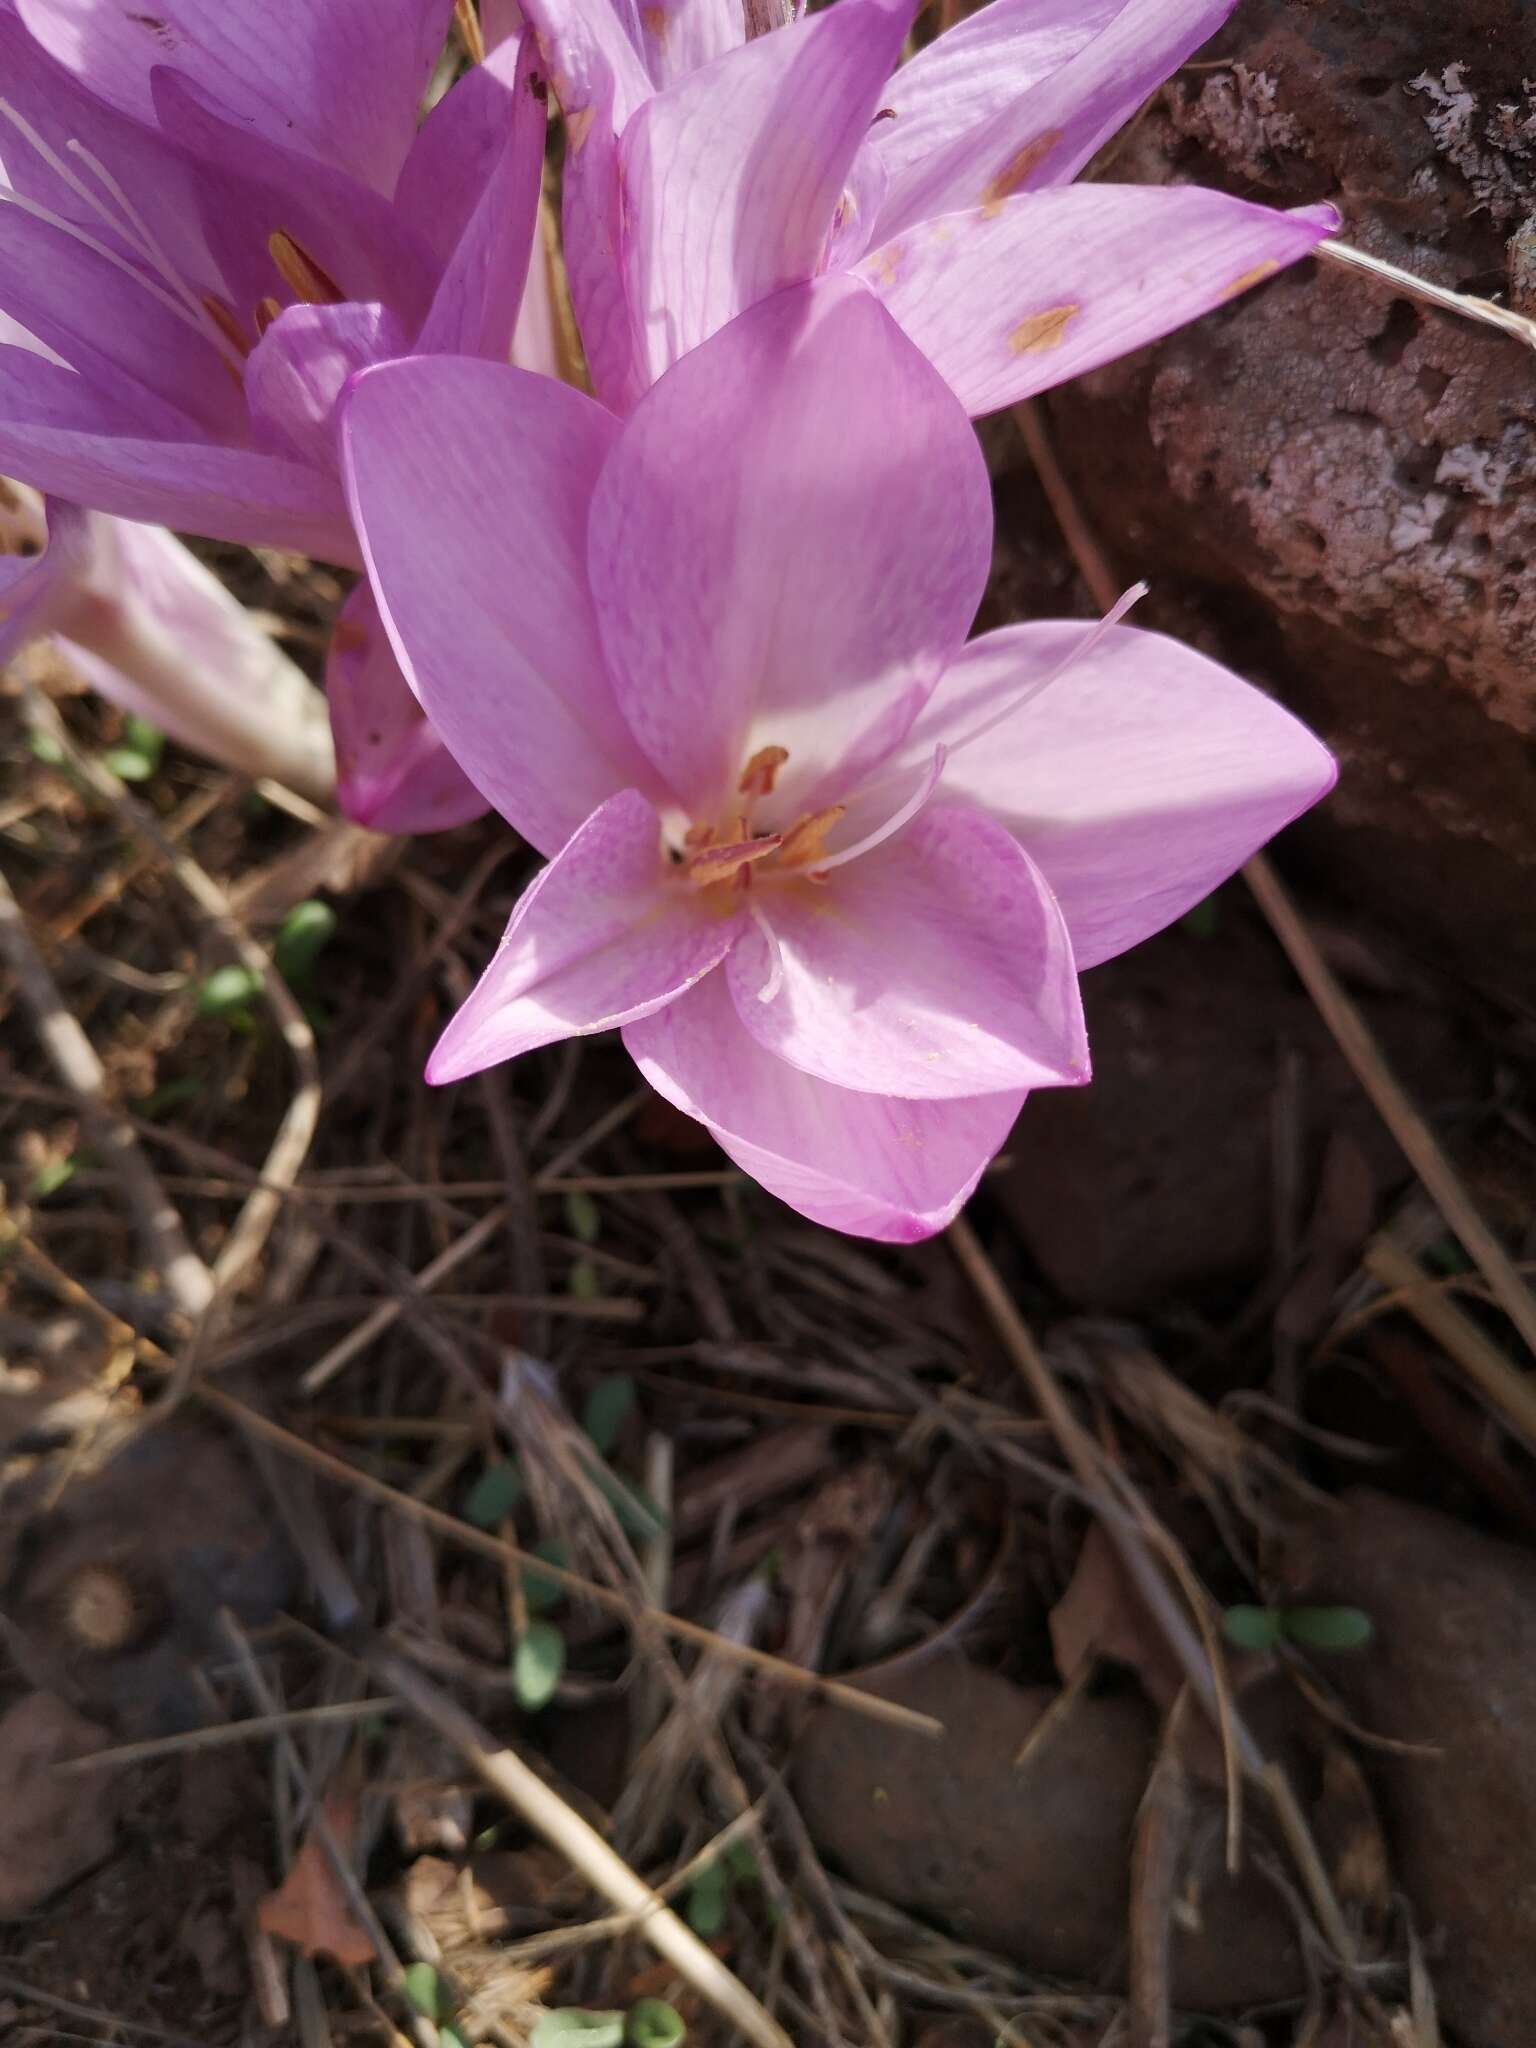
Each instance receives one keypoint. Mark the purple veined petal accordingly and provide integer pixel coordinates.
(936, 966)
(1012, 301)
(1044, 134)
(124, 332)
(1142, 777)
(856, 212)
(679, 36)
(475, 307)
(606, 934)
(875, 1165)
(973, 71)
(537, 340)
(70, 152)
(591, 213)
(296, 372)
(393, 773)
(470, 484)
(248, 189)
(82, 444)
(787, 545)
(339, 80)
(731, 178)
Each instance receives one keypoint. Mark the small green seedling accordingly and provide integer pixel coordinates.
(652, 2023)
(301, 938)
(538, 1663)
(569, 2027)
(1309, 1628)
(608, 1409)
(709, 1899)
(494, 1495)
(228, 994)
(426, 1991)
(583, 1216)
(138, 754)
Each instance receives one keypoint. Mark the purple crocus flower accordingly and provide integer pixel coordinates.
(832, 870)
(705, 170)
(211, 216)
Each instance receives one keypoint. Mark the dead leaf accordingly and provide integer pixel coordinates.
(1101, 1615)
(53, 1826)
(309, 1909)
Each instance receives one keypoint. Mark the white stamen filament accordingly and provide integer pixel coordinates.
(1031, 691)
(894, 823)
(775, 981)
(179, 299)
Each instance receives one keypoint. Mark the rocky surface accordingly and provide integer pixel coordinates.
(1031, 1858)
(1452, 1665)
(1335, 488)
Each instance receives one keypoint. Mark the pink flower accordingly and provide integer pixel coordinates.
(832, 870)
(212, 212)
(705, 171)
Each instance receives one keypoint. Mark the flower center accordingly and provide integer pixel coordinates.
(726, 854)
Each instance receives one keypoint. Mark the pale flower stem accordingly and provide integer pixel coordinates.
(269, 721)
(1462, 303)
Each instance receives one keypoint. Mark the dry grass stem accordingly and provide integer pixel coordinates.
(505, 1773)
(1463, 303)
(470, 1538)
(1510, 1391)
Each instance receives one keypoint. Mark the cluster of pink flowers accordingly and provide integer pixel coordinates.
(700, 636)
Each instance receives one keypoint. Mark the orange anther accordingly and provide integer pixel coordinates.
(757, 778)
(806, 839)
(301, 273)
(721, 863)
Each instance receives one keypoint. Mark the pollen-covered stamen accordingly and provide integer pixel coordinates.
(301, 273)
(266, 312)
(805, 843)
(1079, 652)
(761, 772)
(713, 864)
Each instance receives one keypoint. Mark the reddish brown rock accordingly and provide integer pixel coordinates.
(53, 1826)
(1452, 1664)
(1030, 1858)
(1335, 488)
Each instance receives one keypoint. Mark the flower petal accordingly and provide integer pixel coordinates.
(393, 773)
(975, 70)
(117, 330)
(1044, 134)
(936, 966)
(606, 934)
(871, 1164)
(295, 374)
(486, 180)
(731, 177)
(678, 36)
(787, 544)
(68, 438)
(1138, 781)
(592, 49)
(1008, 302)
(339, 79)
(470, 483)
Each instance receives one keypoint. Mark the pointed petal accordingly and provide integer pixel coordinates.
(65, 437)
(936, 966)
(393, 773)
(470, 483)
(607, 933)
(295, 375)
(975, 70)
(500, 119)
(340, 80)
(1139, 780)
(870, 1164)
(1044, 134)
(787, 545)
(732, 177)
(1012, 301)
